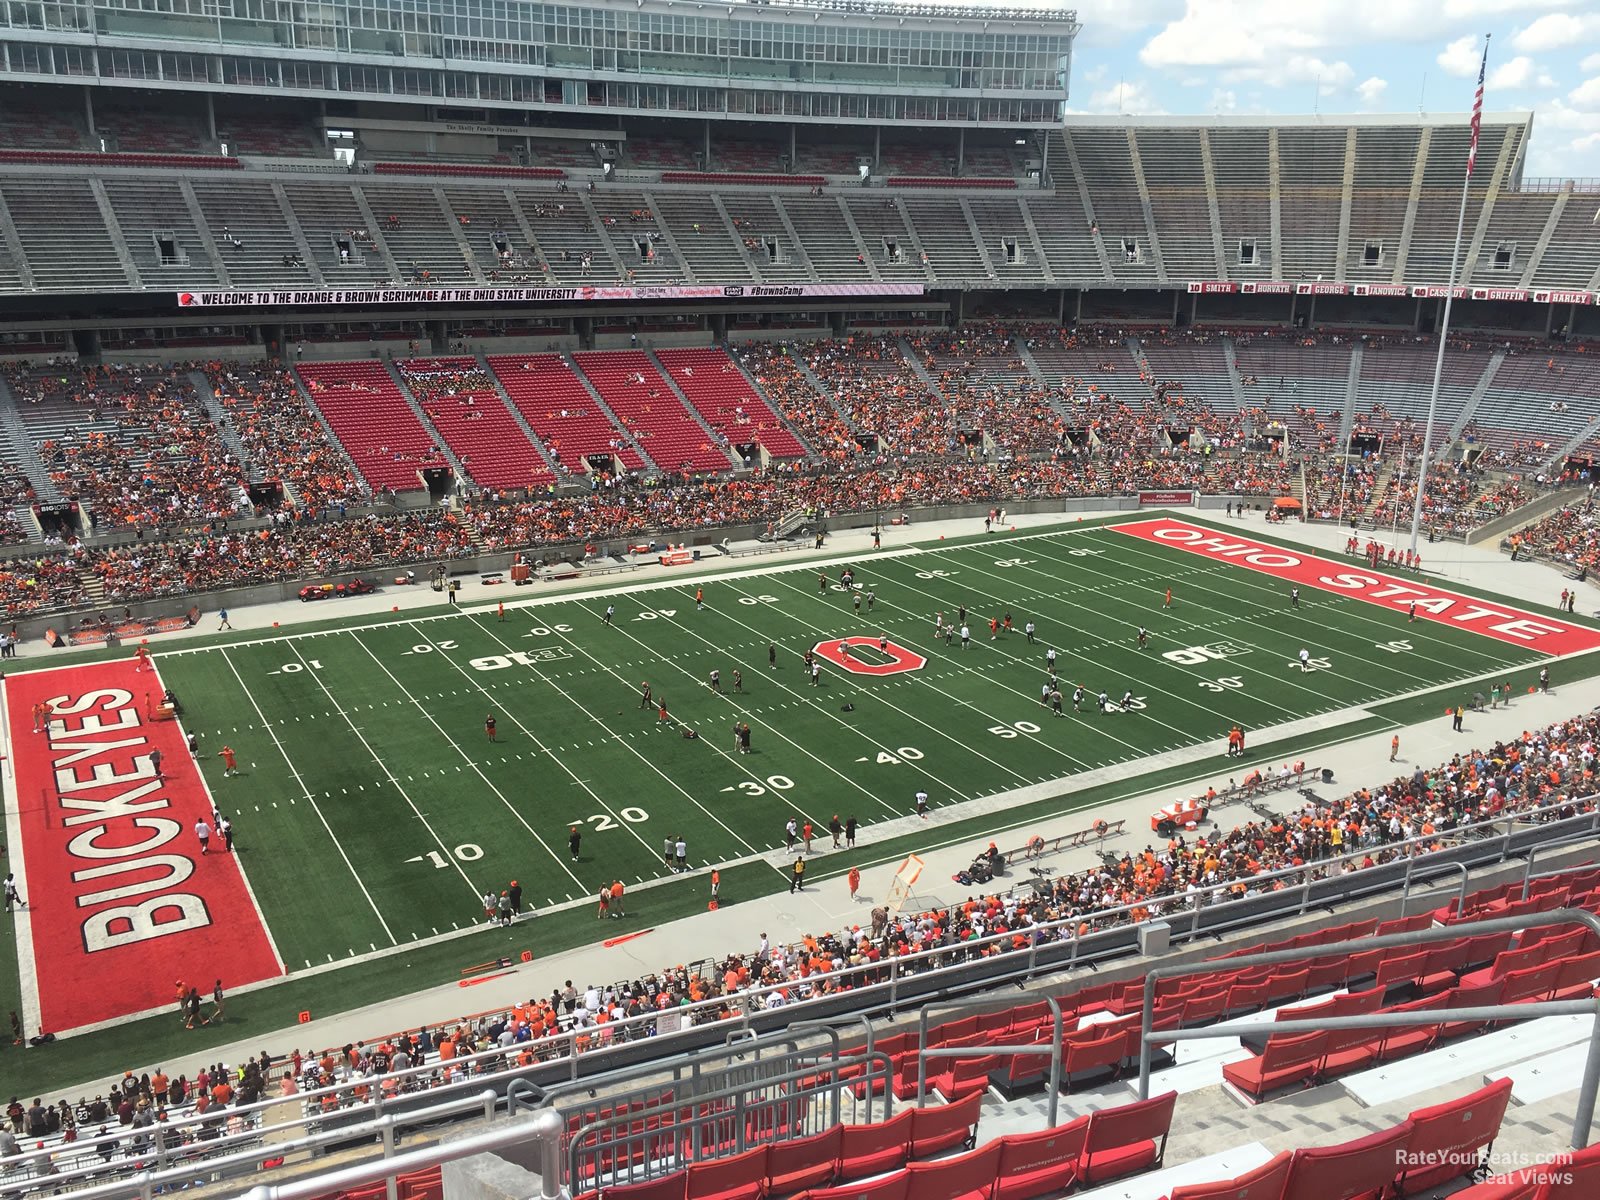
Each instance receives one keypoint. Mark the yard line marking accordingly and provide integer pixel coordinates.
(887, 704)
(398, 786)
(1144, 681)
(730, 697)
(470, 761)
(295, 771)
(676, 786)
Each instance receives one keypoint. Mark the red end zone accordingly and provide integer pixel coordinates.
(1548, 635)
(120, 901)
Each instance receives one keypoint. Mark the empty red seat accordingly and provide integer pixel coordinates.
(968, 1176)
(1397, 1041)
(1287, 1060)
(1362, 1169)
(942, 1126)
(1123, 1140)
(1035, 1164)
(891, 1187)
(737, 1177)
(668, 1187)
(872, 1149)
(1501, 1188)
(1264, 1183)
(800, 1163)
(1349, 1050)
(1094, 1055)
(1577, 1179)
(1446, 1139)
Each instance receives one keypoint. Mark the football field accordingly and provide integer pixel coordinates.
(372, 811)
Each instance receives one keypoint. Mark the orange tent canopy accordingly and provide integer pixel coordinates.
(1286, 502)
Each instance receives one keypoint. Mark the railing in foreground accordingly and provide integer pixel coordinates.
(884, 987)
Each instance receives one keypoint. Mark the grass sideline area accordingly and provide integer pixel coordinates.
(369, 788)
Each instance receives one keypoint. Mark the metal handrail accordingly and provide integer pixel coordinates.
(1433, 873)
(1584, 1116)
(1528, 875)
(383, 1128)
(925, 1052)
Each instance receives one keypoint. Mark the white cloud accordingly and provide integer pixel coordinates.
(1592, 63)
(1296, 68)
(1586, 96)
(1462, 56)
(1516, 73)
(1557, 31)
(1371, 91)
(1223, 100)
(1127, 96)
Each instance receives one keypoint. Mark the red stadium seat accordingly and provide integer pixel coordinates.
(1484, 995)
(966, 1076)
(890, 1187)
(968, 1176)
(942, 1126)
(1096, 1055)
(1264, 1183)
(737, 1177)
(1447, 1134)
(1501, 1188)
(1362, 1169)
(1576, 1179)
(1577, 977)
(876, 1148)
(1286, 1060)
(1349, 1050)
(1400, 1040)
(1126, 1139)
(668, 1187)
(1034, 1164)
(804, 1162)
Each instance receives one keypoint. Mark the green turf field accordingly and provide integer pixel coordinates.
(370, 790)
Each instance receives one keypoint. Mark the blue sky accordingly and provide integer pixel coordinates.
(1282, 57)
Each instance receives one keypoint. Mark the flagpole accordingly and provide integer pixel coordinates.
(1449, 297)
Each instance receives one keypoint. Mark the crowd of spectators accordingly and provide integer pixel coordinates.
(281, 435)
(149, 455)
(1569, 536)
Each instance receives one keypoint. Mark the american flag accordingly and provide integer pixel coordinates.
(1477, 111)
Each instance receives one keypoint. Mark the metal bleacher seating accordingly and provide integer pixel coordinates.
(251, 232)
(1434, 231)
(1551, 396)
(1200, 369)
(827, 241)
(1311, 183)
(327, 211)
(1573, 255)
(1385, 157)
(460, 400)
(947, 237)
(725, 400)
(632, 222)
(1242, 166)
(419, 236)
(63, 232)
(709, 250)
(557, 407)
(1303, 387)
(1515, 226)
(1400, 378)
(651, 411)
(1107, 163)
(1064, 234)
(755, 215)
(148, 208)
(998, 217)
(883, 226)
(1174, 173)
(561, 224)
(373, 422)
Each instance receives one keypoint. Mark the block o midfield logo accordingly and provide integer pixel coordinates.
(837, 652)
